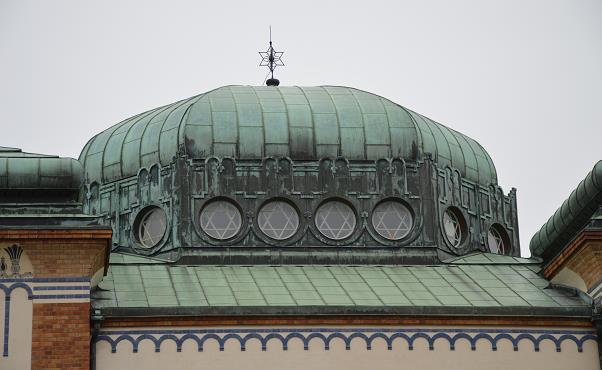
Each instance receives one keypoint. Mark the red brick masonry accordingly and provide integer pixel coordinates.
(61, 331)
(61, 336)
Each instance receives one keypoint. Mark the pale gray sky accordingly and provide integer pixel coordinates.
(524, 77)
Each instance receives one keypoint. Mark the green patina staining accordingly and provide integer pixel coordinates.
(480, 286)
(573, 215)
(163, 159)
(21, 170)
(305, 144)
(305, 123)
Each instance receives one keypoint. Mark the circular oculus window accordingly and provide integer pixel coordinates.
(151, 227)
(335, 220)
(453, 227)
(392, 220)
(497, 241)
(278, 220)
(221, 219)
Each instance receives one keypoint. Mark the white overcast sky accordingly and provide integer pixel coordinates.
(522, 77)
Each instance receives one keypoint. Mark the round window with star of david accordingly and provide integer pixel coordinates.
(278, 220)
(454, 227)
(335, 220)
(151, 226)
(497, 240)
(392, 220)
(221, 219)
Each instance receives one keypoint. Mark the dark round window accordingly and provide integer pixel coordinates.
(221, 219)
(278, 220)
(335, 220)
(454, 227)
(498, 240)
(151, 226)
(392, 220)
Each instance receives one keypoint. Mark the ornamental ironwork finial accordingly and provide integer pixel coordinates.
(271, 59)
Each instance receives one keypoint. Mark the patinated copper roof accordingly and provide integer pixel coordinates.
(21, 170)
(303, 123)
(571, 217)
(489, 284)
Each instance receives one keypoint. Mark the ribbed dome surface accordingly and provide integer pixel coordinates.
(566, 222)
(303, 123)
(29, 171)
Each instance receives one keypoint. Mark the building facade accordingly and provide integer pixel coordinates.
(288, 227)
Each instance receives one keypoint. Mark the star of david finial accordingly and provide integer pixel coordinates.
(271, 59)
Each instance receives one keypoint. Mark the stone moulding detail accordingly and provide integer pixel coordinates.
(325, 335)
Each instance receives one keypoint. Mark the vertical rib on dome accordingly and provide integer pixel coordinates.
(302, 123)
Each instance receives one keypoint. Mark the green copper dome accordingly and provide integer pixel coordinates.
(303, 123)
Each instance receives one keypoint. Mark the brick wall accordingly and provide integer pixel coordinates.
(61, 329)
(61, 336)
(62, 253)
(65, 258)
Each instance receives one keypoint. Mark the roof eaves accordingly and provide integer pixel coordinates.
(508, 311)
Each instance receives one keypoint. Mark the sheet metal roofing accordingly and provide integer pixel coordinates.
(149, 285)
(571, 217)
(480, 258)
(21, 170)
(303, 123)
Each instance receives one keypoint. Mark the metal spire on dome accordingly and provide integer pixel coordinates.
(271, 59)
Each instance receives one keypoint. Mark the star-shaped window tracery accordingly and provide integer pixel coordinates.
(278, 220)
(221, 219)
(452, 228)
(392, 220)
(152, 227)
(495, 241)
(335, 220)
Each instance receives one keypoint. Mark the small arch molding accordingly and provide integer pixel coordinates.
(326, 336)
